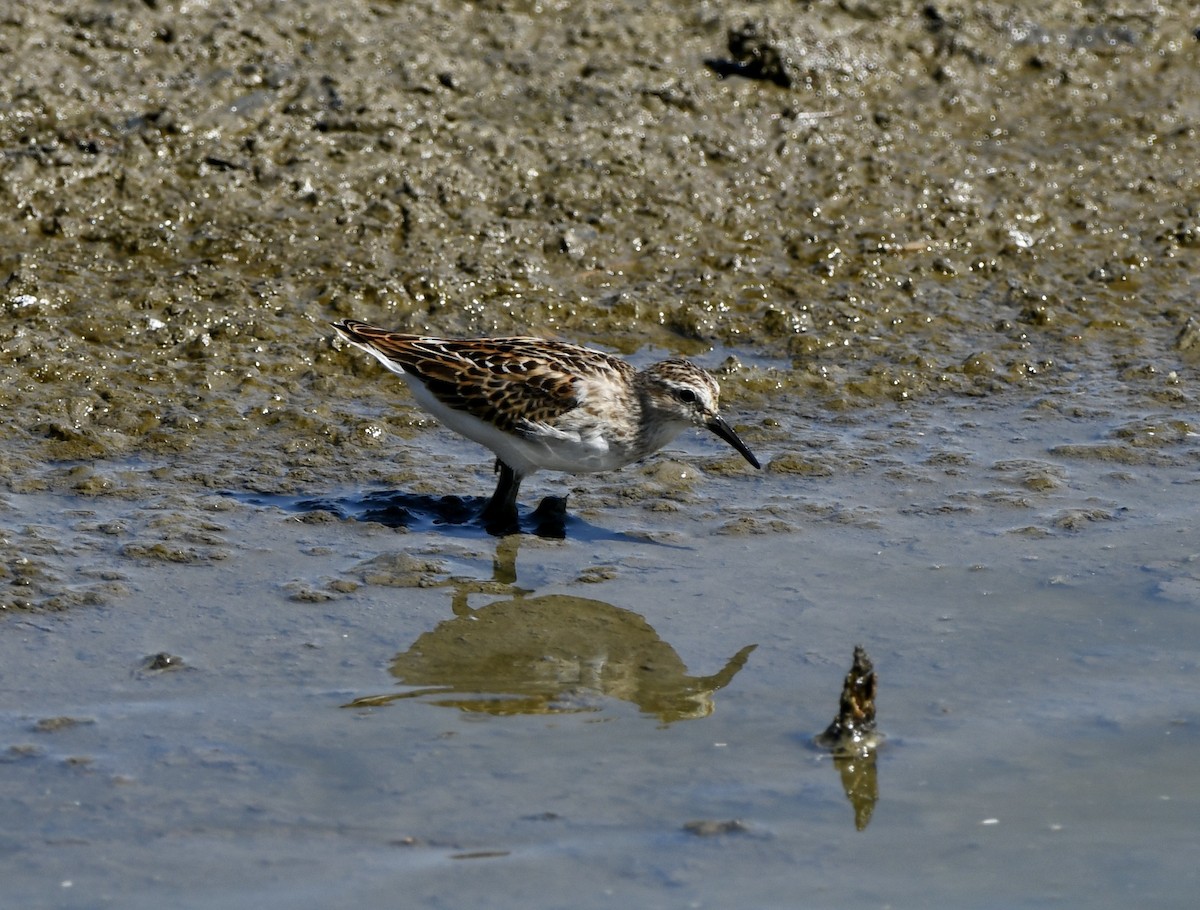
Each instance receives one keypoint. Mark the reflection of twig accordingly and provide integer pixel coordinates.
(860, 782)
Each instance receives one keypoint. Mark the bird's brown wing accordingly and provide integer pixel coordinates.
(510, 382)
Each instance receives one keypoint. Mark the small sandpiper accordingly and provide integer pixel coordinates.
(546, 404)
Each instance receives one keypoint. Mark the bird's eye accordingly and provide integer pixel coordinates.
(687, 396)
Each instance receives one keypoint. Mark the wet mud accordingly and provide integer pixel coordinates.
(940, 200)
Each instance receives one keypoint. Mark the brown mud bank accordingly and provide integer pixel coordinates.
(910, 199)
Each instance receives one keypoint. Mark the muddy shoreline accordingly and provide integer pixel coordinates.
(944, 259)
(942, 202)
(948, 200)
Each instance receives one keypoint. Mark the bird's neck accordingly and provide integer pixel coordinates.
(657, 427)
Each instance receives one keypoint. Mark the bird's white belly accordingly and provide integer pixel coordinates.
(575, 451)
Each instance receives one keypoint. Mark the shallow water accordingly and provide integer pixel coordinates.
(364, 712)
(947, 279)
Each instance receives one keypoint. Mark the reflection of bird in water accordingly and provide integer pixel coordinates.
(543, 655)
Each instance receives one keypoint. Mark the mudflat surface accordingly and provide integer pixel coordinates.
(944, 260)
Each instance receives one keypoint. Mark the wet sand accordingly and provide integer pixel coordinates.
(944, 262)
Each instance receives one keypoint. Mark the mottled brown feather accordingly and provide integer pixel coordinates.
(505, 381)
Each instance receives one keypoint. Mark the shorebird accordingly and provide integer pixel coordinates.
(547, 405)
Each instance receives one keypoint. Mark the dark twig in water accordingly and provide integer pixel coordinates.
(853, 740)
(853, 730)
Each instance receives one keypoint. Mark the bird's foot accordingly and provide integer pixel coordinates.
(500, 520)
(550, 518)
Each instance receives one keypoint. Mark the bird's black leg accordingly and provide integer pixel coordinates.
(499, 516)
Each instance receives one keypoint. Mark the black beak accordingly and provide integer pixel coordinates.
(725, 431)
